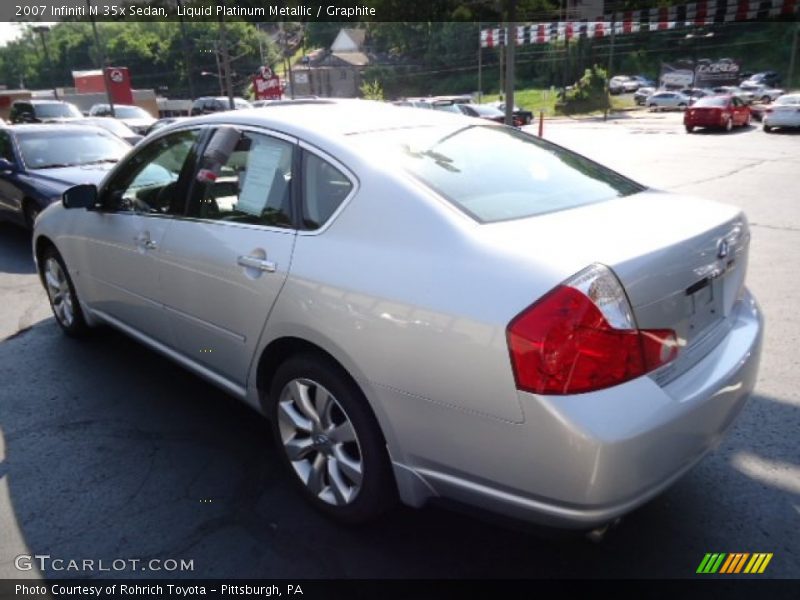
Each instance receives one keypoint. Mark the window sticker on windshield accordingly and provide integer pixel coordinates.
(262, 163)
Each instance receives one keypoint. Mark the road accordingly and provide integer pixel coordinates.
(108, 451)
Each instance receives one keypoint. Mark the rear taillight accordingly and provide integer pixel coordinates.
(581, 337)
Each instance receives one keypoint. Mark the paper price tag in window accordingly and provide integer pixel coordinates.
(263, 161)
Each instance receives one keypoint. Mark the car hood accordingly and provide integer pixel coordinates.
(141, 122)
(69, 176)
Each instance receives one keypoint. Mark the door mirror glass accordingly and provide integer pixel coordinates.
(80, 196)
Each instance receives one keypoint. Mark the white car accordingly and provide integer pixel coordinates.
(757, 91)
(642, 94)
(785, 112)
(668, 100)
(135, 117)
(623, 84)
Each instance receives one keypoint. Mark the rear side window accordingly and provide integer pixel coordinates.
(324, 189)
(498, 173)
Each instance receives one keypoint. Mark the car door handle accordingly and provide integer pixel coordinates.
(253, 262)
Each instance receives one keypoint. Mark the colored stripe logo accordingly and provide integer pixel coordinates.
(734, 563)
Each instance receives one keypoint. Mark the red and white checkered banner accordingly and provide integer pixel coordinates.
(702, 12)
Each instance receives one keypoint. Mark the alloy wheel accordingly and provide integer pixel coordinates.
(59, 292)
(320, 442)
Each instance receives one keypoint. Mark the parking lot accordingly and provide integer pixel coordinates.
(110, 451)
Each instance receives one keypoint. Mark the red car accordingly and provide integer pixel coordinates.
(723, 112)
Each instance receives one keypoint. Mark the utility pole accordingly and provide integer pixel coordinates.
(42, 30)
(792, 57)
(511, 47)
(187, 55)
(219, 68)
(480, 65)
(610, 66)
(101, 57)
(226, 61)
(502, 51)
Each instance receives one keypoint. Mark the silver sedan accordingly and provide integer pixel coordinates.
(425, 306)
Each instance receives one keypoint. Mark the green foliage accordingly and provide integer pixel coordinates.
(588, 93)
(371, 90)
(152, 51)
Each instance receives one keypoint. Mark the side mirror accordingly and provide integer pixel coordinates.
(80, 196)
(8, 166)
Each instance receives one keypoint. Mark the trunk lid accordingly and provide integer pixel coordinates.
(681, 260)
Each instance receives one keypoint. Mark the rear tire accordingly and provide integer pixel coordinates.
(61, 293)
(767, 128)
(681, 106)
(689, 128)
(729, 124)
(329, 440)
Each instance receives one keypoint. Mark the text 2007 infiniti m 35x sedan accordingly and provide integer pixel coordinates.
(425, 306)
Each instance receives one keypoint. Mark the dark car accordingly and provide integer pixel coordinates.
(211, 104)
(43, 111)
(769, 78)
(39, 162)
(521, 117)
(482, 111)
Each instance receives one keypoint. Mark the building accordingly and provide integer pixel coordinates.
(334, 73)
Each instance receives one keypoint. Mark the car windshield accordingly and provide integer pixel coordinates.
(57, 110)
(44, 149)
(707, 102)
(116, 127)
(497, 173)
(788, 100)
(131, 112)
(447, 108)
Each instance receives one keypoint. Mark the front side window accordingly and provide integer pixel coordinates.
(324, 189)
(253, 186)
(148, 182)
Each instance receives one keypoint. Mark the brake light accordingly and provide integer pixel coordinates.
(581, 337)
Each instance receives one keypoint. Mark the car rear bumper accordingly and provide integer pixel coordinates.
(773, 120)
(581, 461)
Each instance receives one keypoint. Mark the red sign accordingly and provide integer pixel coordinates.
(119, 85)
(267, 85)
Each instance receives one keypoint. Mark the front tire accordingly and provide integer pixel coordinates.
(729, 124)
(689, 128)
(329, 440)
(61, 293)
(767, 128)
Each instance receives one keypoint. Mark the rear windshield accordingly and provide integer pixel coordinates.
(57, 110)
(719, 101)
(498, 173)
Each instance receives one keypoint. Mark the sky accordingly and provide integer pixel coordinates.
(8, 31)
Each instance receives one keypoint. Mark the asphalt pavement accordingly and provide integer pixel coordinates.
(109, 451)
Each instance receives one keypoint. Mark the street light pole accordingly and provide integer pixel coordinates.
(41, 30)
(511, 47)
(792, 57)
(226, 61)
(187, 55)
(101, 57)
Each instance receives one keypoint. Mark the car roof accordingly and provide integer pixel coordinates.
(330, 120)
(52, 127)
(40, 101)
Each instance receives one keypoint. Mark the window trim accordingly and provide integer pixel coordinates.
(354, 181)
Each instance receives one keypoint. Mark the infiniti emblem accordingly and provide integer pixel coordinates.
(722, 248)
